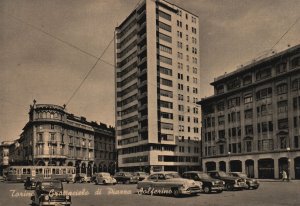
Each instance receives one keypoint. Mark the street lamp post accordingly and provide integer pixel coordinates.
(289, 161)
(229, 169)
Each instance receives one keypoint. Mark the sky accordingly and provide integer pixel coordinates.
(34, 65)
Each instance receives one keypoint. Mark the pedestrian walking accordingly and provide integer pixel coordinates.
(284, 175)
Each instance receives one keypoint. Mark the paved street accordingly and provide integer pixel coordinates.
(270, 193)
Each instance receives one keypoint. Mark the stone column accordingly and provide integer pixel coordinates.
(227, 166)
(243, 166)
(218, 165)
(292, 168)
(276, 168)
(255, 167)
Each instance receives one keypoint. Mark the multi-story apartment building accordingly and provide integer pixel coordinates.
(53, 136)
(157, 87)
(4, 155)
(252, 122)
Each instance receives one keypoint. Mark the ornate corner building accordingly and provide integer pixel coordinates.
(54, 137)
(157, 86)
(252, 122)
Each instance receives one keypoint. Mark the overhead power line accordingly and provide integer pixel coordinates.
(287, 31)
(59, 39)
(89, 72)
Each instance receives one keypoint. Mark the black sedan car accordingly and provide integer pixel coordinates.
(29, 184)
(126, 178)
(50, 192)
(251, 183)
(231, 183)
(208, 184)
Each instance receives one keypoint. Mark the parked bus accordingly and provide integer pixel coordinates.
(20, 173)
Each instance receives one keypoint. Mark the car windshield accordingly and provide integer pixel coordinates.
(242, 175)
(203, 176)
(172, 175)
(51, 185)
(140, 174)
(223, 174)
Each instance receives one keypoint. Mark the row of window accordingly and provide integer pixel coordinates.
(182, 149)
(260, 75)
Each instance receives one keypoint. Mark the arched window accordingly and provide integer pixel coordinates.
(281, 88)
(295, 62)
(281, 67)
(296, 84)
(247, 80)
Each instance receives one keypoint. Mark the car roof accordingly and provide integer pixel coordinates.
(193, 172)
(50, 181)
(164, 172)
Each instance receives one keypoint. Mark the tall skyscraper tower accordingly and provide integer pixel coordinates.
(157, 87)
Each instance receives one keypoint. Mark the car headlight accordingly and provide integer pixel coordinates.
(67, 197)
(223, 182)
(235, 181)
(213, 183)
(185, 185)
(131, 178)
(46, 197)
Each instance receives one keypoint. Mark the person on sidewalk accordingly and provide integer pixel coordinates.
(284, 176)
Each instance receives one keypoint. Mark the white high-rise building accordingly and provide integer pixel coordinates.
(157, 87)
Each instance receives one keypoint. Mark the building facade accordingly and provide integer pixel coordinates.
(53, 136)
(4, 155)
(252, 122)
(157, 87)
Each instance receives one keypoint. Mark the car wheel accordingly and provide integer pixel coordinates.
(206, 189)
(255, 187)
(175, 192)
(229, 187)
(248, 187)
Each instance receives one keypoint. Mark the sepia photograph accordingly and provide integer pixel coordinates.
(150, 102)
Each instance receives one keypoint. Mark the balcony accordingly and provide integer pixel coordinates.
(71, 144)
(142, 26)
(141, 38)
(142, 48)
(141, 15)
(52, 141)
(40, 142)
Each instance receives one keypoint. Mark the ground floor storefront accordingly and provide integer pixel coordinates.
(157, 168)
(263, 166)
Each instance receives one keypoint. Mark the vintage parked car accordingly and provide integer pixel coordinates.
(50, 192)
(231, 183)
(29, 184)
(125, 178)
(104, 178)
(82, 177)
(168, 183)
(251, 183)
(140, 175)
(208, 184)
